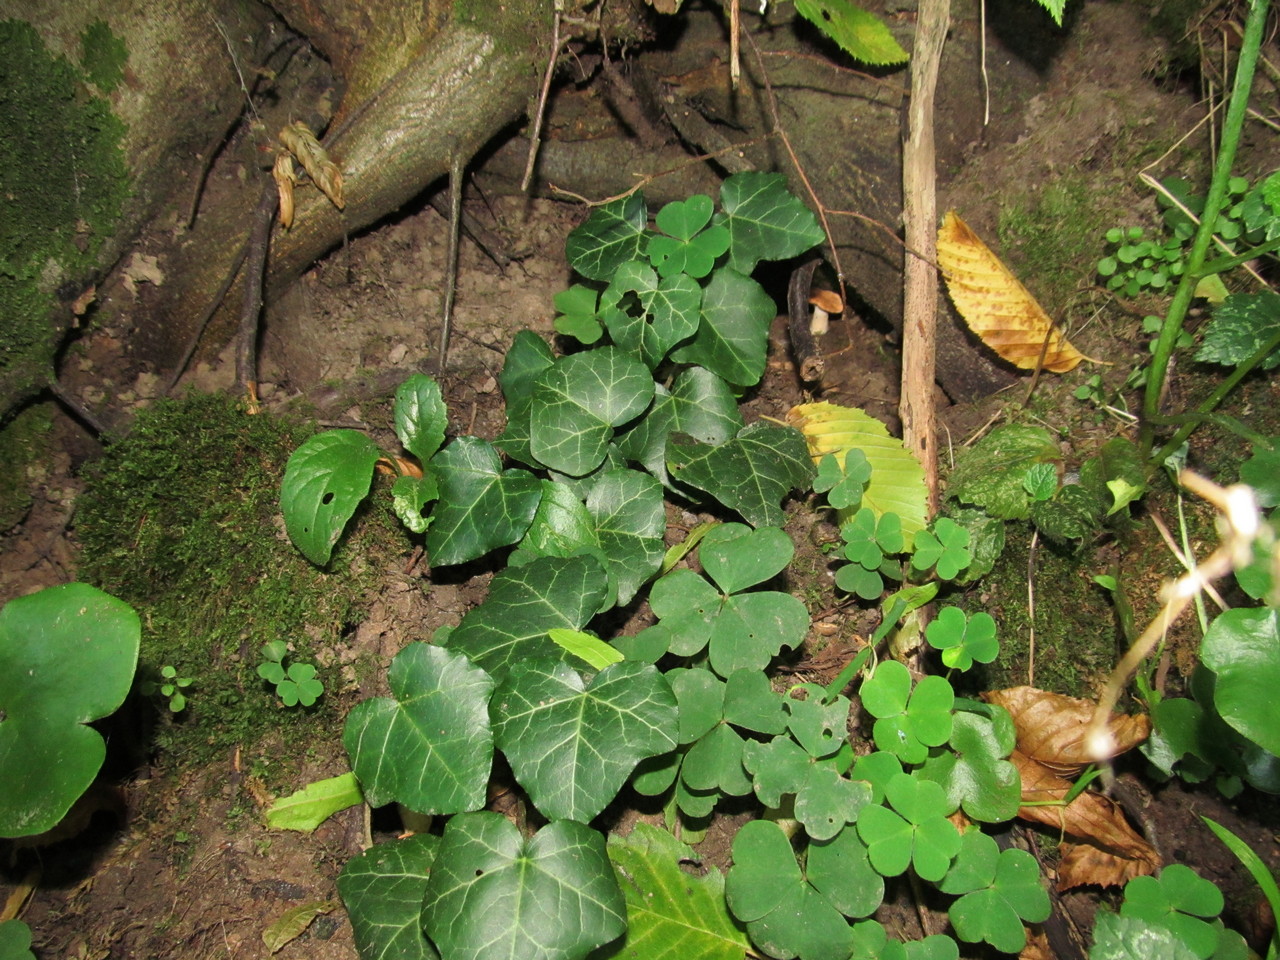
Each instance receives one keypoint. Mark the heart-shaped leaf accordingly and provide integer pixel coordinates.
(324, 481)
(573, 746)
(687, 248)
(482, 507)
(1001, 889)
(382, 889)
(67, 657)
(737, 557)
(578, 313)
(494, 894)
(733, 336)
(428, 746)
(1242, 647)
(975, 772)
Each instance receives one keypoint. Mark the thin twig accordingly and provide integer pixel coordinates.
(254, 275)
(535, 136)
(457, 166)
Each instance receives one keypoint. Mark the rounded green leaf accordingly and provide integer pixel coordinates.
(1242, 647)
(840, 869)
(737, 557)
(67, 657)
(324, 481)
(15, 939)
(700, 699)
(763, 869)
(420, 416)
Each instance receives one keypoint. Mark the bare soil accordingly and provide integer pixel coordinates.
(175, 860)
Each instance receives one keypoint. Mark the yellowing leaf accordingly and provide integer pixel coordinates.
(293, 922)
(897, 479)
(995, 305)
(302, 143)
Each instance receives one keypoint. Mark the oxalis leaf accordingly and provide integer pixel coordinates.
(733, 335)
(687, 248)
(572, 746)
(382, 889)
(324, 481)
(671, 914)
(429, 746)
(975, 772)
(523, 604)
(578, 401)
(908, 722)
(1000, 890)
(482, 507)
(765, 220)
(67, 657)
(915, 832)
(750, 473)
(494, 894)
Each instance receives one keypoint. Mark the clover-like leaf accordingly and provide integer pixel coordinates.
(700, 699)
(908, 723)
(579, 400)
(818, 726)
(840, 869)
(715, 763)
(750, 702)
(662, 312)
(750, 473)
(915, 832)
(324, 481)
(420, 416)
(765, 220)
(946, 547)
(382, 889)
(962, 639)
(736, 557)
(733, 336)
(870, 537)
(572, 746)
(578, 315)
(1180, 900)
(612, 235)
(1001, 889)
(67, 657)
(975, 772)
(493, 893)
(429, 745)
(1131, 938)
(824, 801)
(523, 604)
(843, 483)
(687, 247)
(482, 507)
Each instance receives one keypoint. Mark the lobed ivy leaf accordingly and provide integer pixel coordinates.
(945, 547)
(990, 475)
(630, 522)
(916, 832)
(963, 639)
(578, 313)
(577, 402)
(732, 339)
(671, 914)
(700, 404)
(382, 890)
(662, 312)
(751, 473)
(525, 602)
(687, 247)
(612, 235)
(420, 416)
(1000, 890)
(493, 893)
(428, 745)
(908, 723)
(1180, 900)
(482, 507)
(975, 772)
(765, 220)
(324, 481)
(528, 357)
(572, 746)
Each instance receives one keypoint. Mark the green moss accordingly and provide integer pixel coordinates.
(24, 441)
(181, 519)
(62, 184)
(103, 56)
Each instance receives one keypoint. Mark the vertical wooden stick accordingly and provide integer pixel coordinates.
(920, 219)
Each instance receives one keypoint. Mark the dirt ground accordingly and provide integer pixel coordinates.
(177, 862)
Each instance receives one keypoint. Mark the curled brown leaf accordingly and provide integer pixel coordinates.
(1052, 727)
(302, 143)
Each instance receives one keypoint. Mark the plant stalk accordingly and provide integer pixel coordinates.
(1232, 126)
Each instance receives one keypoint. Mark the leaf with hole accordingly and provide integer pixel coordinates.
(325, 480)
(647, 315)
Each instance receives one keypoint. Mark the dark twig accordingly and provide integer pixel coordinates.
(77, 409)
(809, 359)
(210, 310)
(457, 166)
(254, 273)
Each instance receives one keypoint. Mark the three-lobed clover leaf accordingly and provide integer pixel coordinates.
(962, 639)
(908, 722)
(869, 539)
(824, 801)
(1001, 889)
(687, 247)
(577, 313)
(916, 832)
(945, 548)
(1180, 900)
(300, 686)
(975, 772)
(871, 942)
(843, 483)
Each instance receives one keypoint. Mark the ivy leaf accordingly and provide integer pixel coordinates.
(429, 745)
(612, 235)
(382, 890)
(493, 893)
(410, 497)
(420, 416)
(672, 915)
(700, 405)
(685, 249)
(324, 481)
(733, 335)
(578, 315)
(990, 474)
(528, 357)
(1262, 472)
(663, 313)
(561, 527)
(523, 604)
(961, 639)
(630, 522)
(1000, 890)
(975, 772)
(908, 722)
(573, 746)
(1240, 326)
(579, 400)
(765, 220)
(751, 473)
(915, 832)
(482, 507)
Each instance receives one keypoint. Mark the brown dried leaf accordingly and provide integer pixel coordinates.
(302, 143)
(1094, 820)
(1051, 727)
(282, 173)
(995, 305)
(1037, 947)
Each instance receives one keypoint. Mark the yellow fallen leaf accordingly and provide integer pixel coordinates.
(995, 305)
